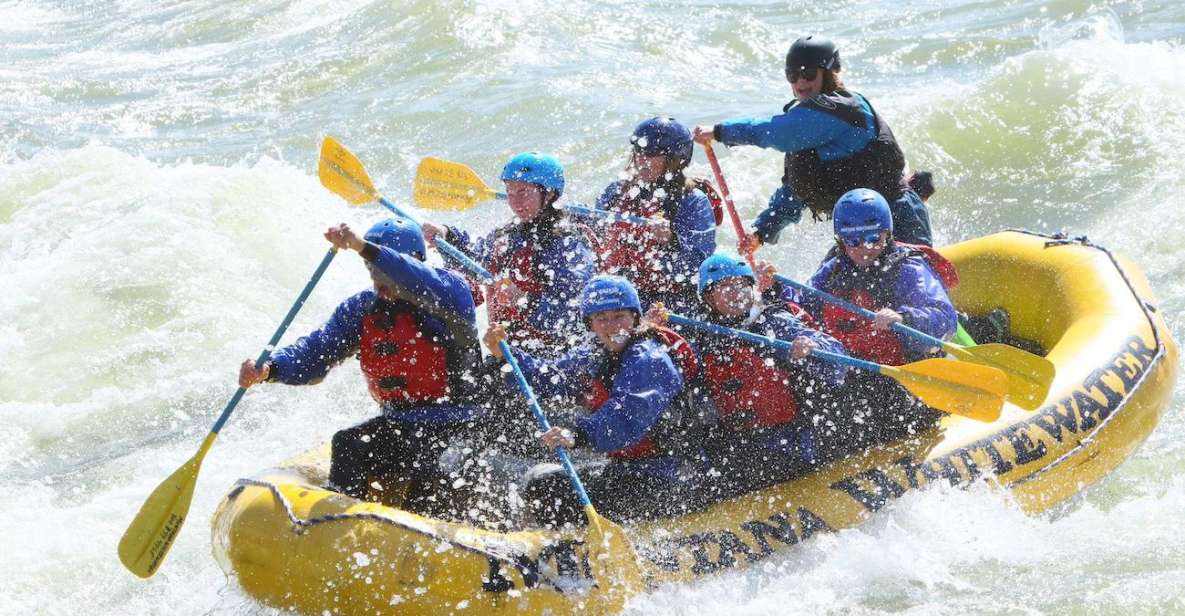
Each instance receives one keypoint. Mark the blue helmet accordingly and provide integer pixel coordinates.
(720, 266)
(604, 293)
(663, 136)
(536, 168)
(861, 215)
(399, 234)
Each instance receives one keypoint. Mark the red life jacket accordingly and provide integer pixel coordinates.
(748, 391)
(518, 266)
(635, 252)
(856, 332)
(947, 274)
(685, 360)
(706, 187)
(873, 289)
(402, 363)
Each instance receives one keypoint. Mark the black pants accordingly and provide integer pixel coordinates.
(872, 409)
(744, 460)
(381, 457)
(510, 427)
(616, 491)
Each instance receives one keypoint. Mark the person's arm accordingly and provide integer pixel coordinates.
(566, 378)
(911, 221)
(481, 250)
(785, 326)
(811, 302)
(607, 201)
(784, 209)
(310, 358)
(695, 230)
(923, 303)
(646, 384)
(548, 379)
(799, 128)
(437, 290)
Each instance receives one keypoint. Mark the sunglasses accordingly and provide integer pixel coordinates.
(854, 242)
(808, 73)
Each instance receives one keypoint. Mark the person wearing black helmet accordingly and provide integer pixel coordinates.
(834, 142)
(415, 335)
(659, 259)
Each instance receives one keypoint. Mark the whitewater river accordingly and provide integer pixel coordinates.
(159, 210)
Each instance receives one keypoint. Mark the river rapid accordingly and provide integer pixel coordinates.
(159, 210)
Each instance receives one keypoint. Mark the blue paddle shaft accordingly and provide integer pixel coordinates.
(592, 211)
(525, 387)
(271, 344)
(781, 345)
(464, 260)
(445, 247)
(900, 328)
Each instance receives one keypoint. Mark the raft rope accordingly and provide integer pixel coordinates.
(1063, 239)
(530, 573)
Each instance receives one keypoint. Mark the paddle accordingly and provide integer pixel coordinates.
(452, 186)
(150, 535)
(1029, 376)
(610, 551)
(959, 389)
(341, 172)
(737, 225)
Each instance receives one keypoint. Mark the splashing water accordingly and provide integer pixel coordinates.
(159, 211)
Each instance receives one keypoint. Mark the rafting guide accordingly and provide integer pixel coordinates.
(834, 141)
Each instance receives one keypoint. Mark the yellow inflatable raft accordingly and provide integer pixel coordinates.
(294, 545)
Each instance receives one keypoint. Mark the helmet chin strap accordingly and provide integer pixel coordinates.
(754, 313)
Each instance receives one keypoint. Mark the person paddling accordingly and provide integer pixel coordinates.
(834, 141)
(765, 400)
(635, 381)
(543, 260)
(416, 339)
(901, 284)
(659, 259)
(869, 268)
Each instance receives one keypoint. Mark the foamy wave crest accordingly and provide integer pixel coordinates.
(1056, 136)
(133, 287)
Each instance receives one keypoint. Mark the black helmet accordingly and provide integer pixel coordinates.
(811, 51)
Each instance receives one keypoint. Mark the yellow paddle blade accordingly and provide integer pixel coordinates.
(614, 563)
(1029, 376)
(446, 185)
(954, 387)
(150, 535)
(341, 172)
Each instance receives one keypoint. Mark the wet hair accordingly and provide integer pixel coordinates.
(832, 81)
